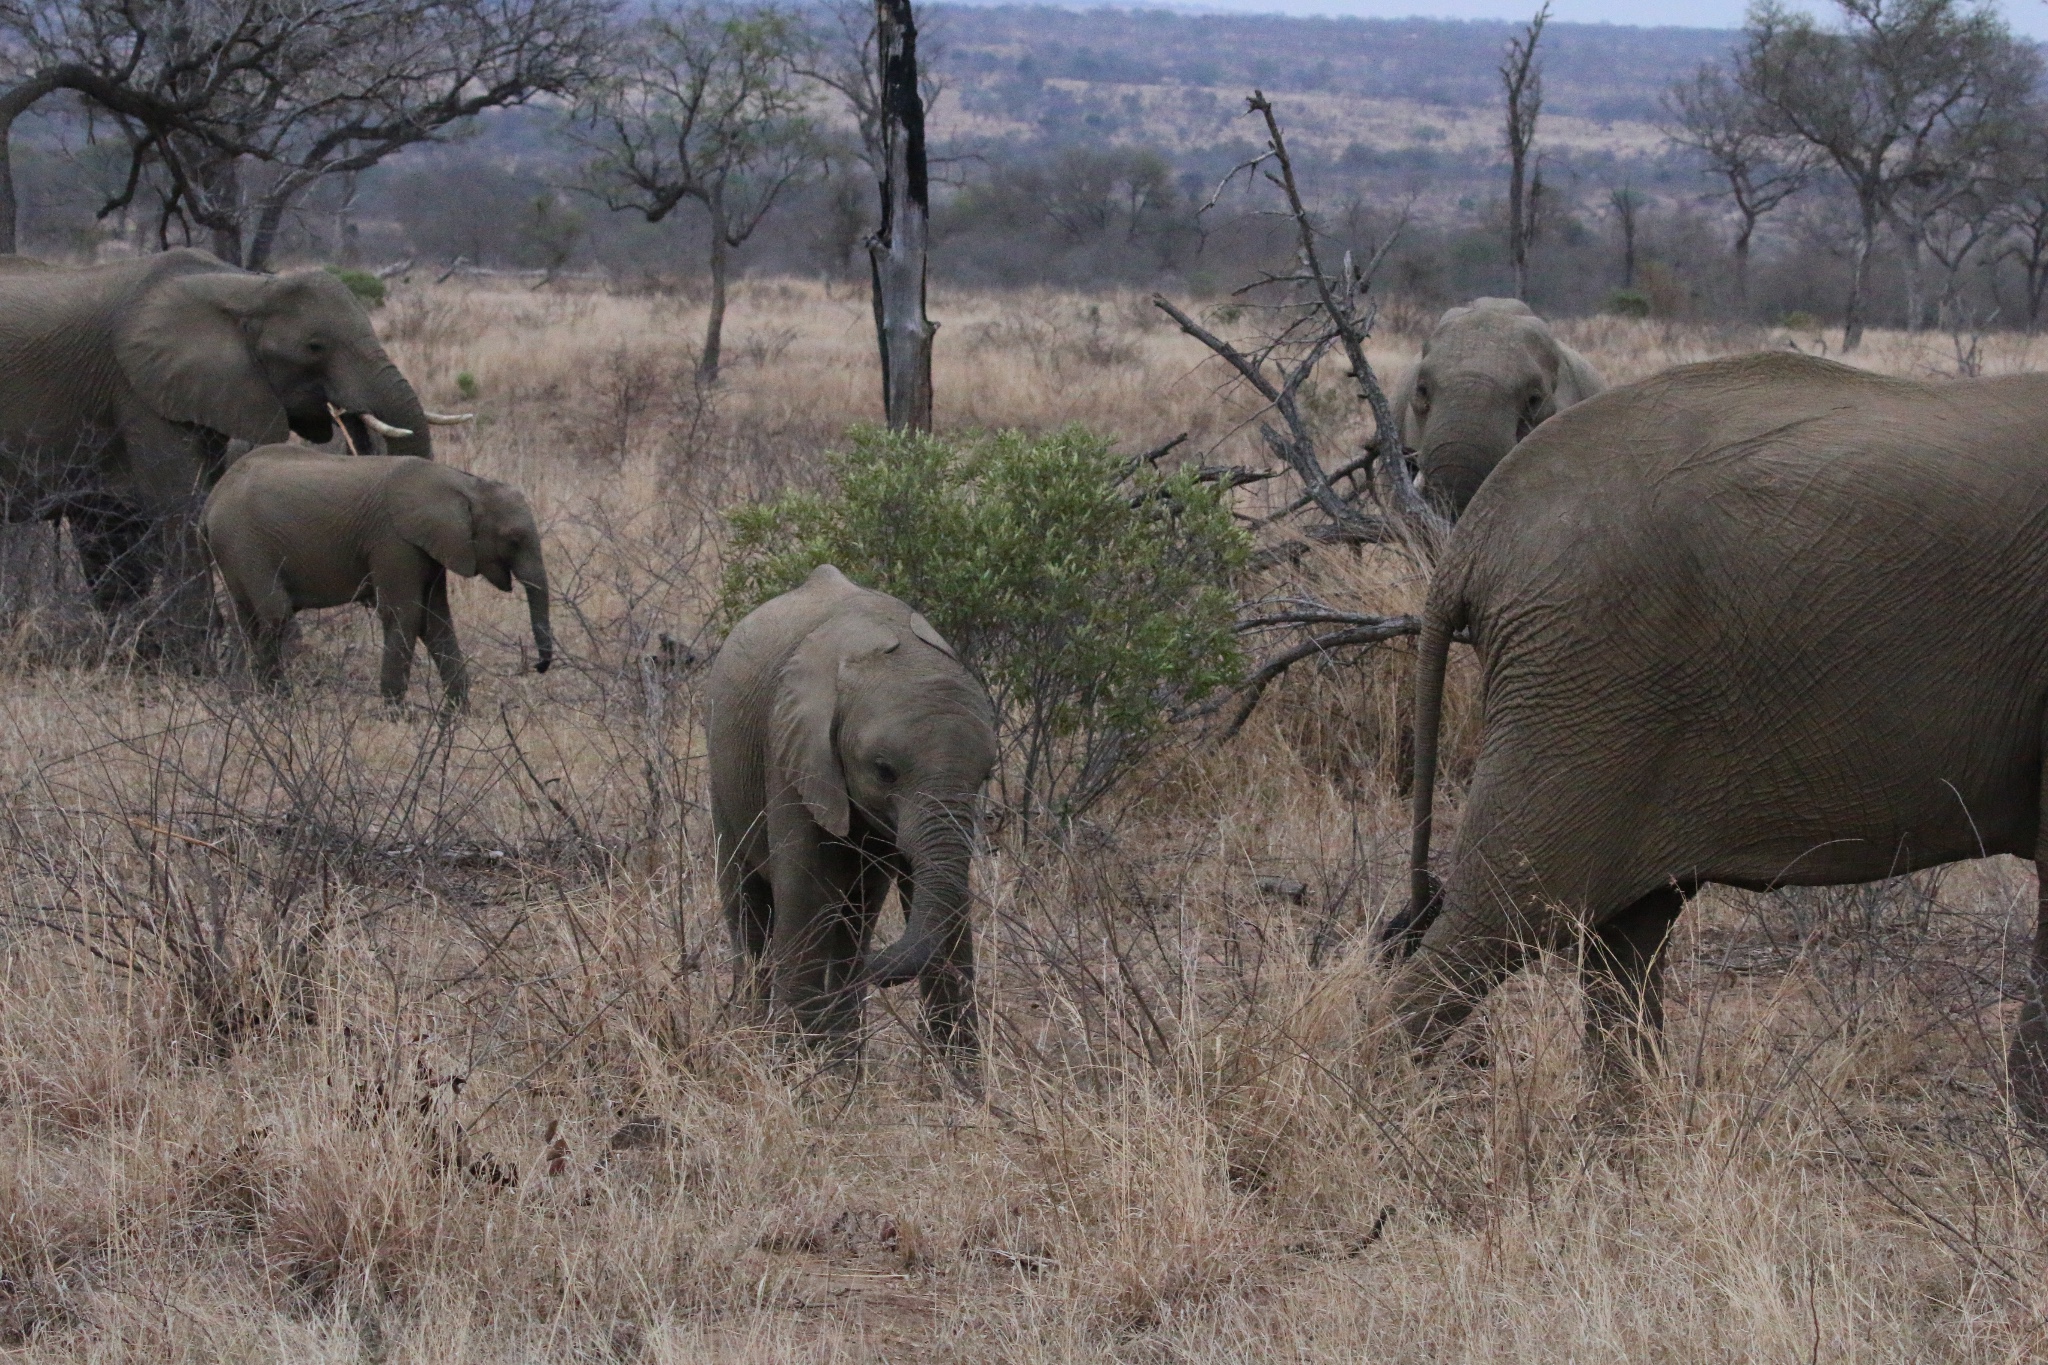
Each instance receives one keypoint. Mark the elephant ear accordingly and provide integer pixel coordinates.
(929, 633)
(805, 719)
(436, 515)
(1577, 380)
(1401, 399)
(183, 351)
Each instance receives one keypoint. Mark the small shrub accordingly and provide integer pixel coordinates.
(1628, 303)
(1797, 321)
(367, 288)
(465, 384)
(1091, 598)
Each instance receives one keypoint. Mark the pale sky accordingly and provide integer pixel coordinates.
(2027, 17)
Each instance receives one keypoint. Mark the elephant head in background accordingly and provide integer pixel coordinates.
(121, 386)
(848, 746)
(1489, 373)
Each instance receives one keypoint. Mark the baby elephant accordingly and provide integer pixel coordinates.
(847, 746)
(292, 529)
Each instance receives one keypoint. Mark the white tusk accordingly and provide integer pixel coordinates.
(449, 419)
(382, 428)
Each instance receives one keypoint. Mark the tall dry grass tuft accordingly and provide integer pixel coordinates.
(332, 1034)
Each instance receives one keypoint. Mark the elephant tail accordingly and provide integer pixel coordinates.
(1441, 619)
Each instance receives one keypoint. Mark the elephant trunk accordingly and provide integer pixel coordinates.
(1455, 462)
(384, 394)
(529, 570)
(939, 842)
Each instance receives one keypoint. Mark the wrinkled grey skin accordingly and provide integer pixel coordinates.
(121, 386)
(847, 748)
(1764, 621)
(292, 529)
(1489, 373)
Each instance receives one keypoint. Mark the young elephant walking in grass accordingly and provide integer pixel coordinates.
(292, 529)
(847, 746)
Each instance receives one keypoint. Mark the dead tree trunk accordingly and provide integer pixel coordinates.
(1522, 81)
(897, 253)
(13, 104)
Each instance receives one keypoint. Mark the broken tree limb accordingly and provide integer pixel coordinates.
(1314, 614)
(1427, 527)
(1297, 447)
(1386, 628)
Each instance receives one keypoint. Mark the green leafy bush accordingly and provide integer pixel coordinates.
(365, 286)
(1092, 598)
(1628, 303)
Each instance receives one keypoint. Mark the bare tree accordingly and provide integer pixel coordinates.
(117, 57)
(1944, 215)
(1627, 205)
(2022, 198)
(706, 109)
(1901, 91)
(1712, 116)
(233, 110)
(897, 254)
(1318, 310)
(1521, 78)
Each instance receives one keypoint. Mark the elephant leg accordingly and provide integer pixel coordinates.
(1490, 916)
(1622, 973)
(401, 623)
(115, 553)
(401, 580)
(185, 586)
(749, 915)
(815, 942)
(437, 627)
(265, 623)
(2027, 1060)
(1457, 964)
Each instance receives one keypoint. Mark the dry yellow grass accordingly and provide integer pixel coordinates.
(497, 1107)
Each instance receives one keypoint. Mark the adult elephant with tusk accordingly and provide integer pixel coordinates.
(1489, 374)
(848, 746)
(121, 386)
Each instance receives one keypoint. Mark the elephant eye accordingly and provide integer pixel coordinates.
(1535, 401)
(885, 770)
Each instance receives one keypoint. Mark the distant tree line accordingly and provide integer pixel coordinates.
(1890, 165)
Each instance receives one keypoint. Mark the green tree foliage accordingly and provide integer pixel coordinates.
(362, 283)
(1091, 597)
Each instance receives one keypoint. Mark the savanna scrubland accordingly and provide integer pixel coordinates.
(328, 1034)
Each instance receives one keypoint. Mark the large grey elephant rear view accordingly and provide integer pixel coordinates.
(1490, 371)
(1765, 621)
(121, 386)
